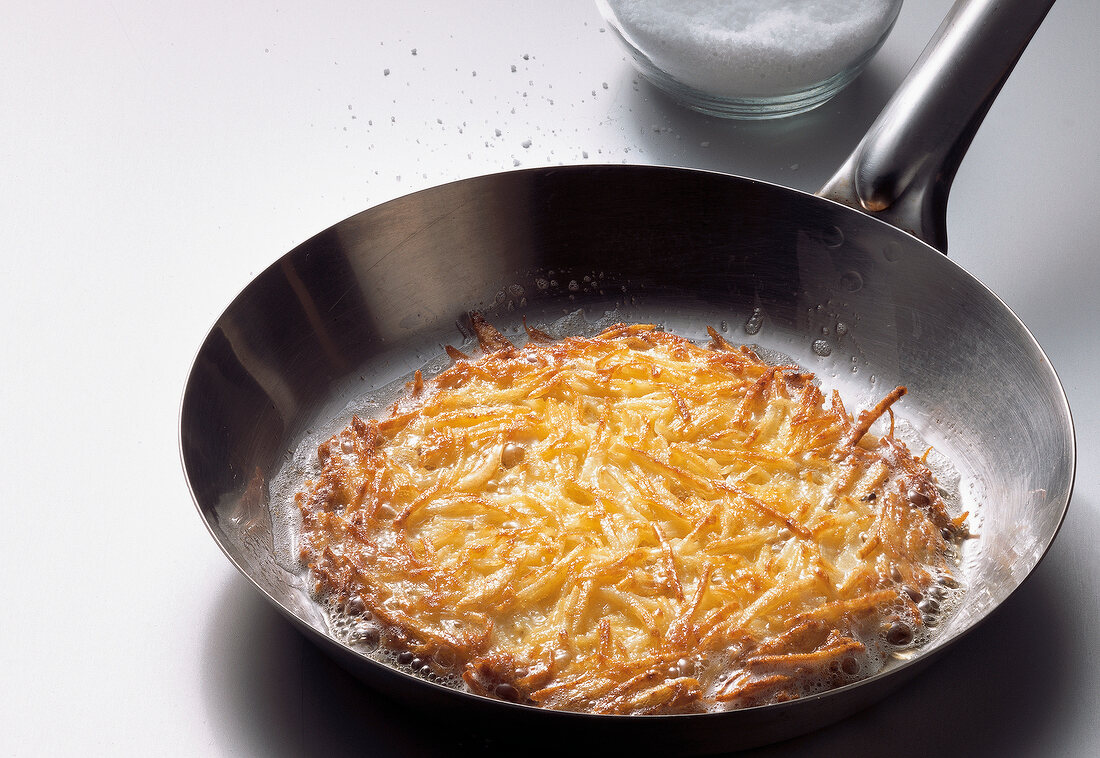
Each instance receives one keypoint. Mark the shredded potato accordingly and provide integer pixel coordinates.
(628, 523)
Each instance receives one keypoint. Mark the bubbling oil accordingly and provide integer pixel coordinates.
(351, 623)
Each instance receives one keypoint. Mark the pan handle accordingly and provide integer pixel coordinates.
(902, 170)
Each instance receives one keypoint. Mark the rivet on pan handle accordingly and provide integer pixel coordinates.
(902, 170)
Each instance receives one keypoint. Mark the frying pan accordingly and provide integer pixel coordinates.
(851, 284)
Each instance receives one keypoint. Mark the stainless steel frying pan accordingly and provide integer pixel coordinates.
(825, 280)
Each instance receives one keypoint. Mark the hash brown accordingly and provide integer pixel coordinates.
(629, 523)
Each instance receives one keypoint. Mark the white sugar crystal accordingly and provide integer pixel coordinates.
(749, 48)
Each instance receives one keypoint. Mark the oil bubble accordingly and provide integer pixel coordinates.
(822, 348)
(367, 634)
(506, 692)
(899, 634)
(755, 321)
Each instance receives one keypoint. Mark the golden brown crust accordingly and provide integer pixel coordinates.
(627, 523)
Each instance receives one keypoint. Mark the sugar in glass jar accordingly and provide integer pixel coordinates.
(751, 59)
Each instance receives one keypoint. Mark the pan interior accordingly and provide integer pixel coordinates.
(858, 303)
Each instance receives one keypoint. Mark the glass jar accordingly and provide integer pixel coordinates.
(751, 59)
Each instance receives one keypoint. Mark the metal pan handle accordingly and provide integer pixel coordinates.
(902, 170)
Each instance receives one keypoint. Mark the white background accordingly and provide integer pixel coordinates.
(155, 156)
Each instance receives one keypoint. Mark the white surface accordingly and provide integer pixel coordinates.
(155, 156)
